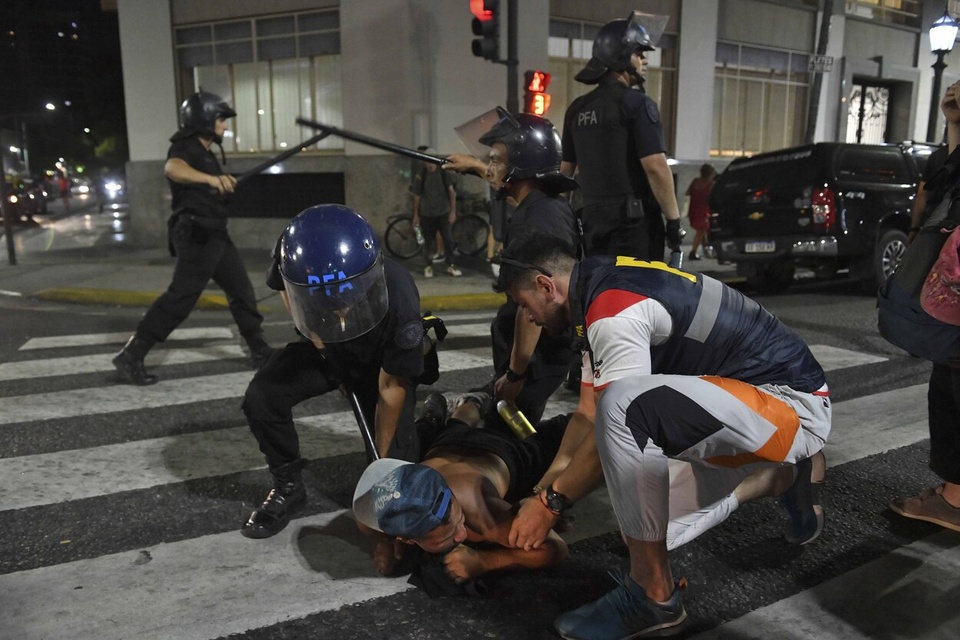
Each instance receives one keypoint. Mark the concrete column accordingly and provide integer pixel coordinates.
(695, 78)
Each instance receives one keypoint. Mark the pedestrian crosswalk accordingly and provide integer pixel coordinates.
(124, 521)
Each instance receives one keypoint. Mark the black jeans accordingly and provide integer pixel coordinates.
(943, 409)
(299, 372)
(429, 228)
(202, 255)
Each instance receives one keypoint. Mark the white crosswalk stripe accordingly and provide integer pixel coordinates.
(212, 585)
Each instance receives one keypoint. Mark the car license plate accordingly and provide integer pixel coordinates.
(765, 246)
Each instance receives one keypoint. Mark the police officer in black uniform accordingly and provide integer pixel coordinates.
(614, 136)
(523, 167)
(359, 317)
(198, 238)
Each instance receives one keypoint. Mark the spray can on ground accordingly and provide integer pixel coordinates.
(515, 419)
(419, 234)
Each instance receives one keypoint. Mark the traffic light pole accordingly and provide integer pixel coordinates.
(513, 79)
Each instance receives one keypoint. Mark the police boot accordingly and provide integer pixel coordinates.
(286, 498)
(129, 362)
(260, 351)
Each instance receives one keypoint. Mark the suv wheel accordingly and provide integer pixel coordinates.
(888, 254)
(772, 278)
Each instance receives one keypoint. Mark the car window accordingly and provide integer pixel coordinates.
(873, 164)
(773, 170)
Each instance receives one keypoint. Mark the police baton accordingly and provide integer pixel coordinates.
(368, 442)
(373, 142)
(280, 157)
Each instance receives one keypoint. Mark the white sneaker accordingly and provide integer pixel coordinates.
(428, 272)
(438, 257)
(452, 270)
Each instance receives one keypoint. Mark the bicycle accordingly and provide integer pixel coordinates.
(469, 235)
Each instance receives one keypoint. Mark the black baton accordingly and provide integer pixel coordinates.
(368, 442)
(373, 142)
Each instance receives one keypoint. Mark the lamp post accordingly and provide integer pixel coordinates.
(943, 34)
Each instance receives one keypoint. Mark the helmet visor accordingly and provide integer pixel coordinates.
(472, 130)
(339, 310)
(653, 24)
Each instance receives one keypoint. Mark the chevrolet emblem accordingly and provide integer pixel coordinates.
(756, 215)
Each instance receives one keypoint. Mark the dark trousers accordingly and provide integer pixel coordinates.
(429, 228)
(548, 367)
(202, 255)
(943, 407)
(609, 229)
(299, 372)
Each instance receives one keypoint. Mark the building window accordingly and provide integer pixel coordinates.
(760, 99)
(273, 70)
(901, 12)
(569, 47)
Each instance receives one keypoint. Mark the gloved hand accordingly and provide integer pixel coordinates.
(674, 233)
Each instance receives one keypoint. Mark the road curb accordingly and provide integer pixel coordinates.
(214, 301)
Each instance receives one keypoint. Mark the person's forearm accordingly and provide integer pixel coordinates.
(552, 551)
(416, 207)
(583, 474)
(393, 395)
(525, 337)
(179, 171)
(661, 183)
(453, 201)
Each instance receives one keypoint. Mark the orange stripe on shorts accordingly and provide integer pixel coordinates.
(773, 410)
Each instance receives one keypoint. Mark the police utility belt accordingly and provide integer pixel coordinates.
(195, 228)
(629, 207)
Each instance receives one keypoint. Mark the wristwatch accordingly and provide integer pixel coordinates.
(556, 502)
(513, 376)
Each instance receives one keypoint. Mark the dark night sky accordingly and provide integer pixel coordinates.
(66, 52)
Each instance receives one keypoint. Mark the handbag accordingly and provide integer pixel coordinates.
(901, 318)
(940, 296)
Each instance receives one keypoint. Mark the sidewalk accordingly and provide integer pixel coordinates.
(84, 256)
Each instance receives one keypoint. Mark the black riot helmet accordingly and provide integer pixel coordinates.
(199, 114)
(613, 46)
(533, 150)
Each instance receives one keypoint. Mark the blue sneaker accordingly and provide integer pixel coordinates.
(624, 613)
(802, 501)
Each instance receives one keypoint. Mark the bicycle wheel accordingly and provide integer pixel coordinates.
(470, 234)
(400, 238)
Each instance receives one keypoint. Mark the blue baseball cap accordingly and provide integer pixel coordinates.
(401, 499)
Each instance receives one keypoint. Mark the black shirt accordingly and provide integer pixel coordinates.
(606, 132)
(198, 199)
(551, 215)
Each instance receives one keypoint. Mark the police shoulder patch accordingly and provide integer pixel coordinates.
(410, 335)
(652, 111)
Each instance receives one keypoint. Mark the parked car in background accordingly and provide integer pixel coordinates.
(829, 207)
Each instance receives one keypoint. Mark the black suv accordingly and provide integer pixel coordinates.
(828, 207)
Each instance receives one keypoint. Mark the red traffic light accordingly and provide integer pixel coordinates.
(483, 9)
(537, 81)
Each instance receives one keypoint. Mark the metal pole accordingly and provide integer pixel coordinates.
(938, 68)
(373, 142)
(7, 222)
(513, 100)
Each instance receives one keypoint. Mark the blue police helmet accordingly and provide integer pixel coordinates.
(333, 273)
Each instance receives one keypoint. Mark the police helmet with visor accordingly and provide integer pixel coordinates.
(333, 273)
(616, 42)
(201, 110)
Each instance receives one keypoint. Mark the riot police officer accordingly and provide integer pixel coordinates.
(198, 238)
(524, 160)
(359, 317)
(614, 136)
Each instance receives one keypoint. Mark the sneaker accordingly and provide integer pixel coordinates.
(930, 506)
(694, 256)
(452, 270)
(435, 409)
(625, 612)
(482, 400)
(428, 272)
(437, 257)
(802, 501)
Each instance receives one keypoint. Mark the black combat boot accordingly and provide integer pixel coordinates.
(260, 351)
(286, 498)
(129, 362)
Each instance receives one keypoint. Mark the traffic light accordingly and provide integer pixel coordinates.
(486, 24)
(536, 100)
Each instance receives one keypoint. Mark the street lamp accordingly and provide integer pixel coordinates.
(943, 34)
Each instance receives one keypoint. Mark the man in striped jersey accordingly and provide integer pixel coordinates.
(683, 368)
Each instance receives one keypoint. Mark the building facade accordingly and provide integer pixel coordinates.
(732, 77)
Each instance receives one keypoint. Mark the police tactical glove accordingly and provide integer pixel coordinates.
(674, 233)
